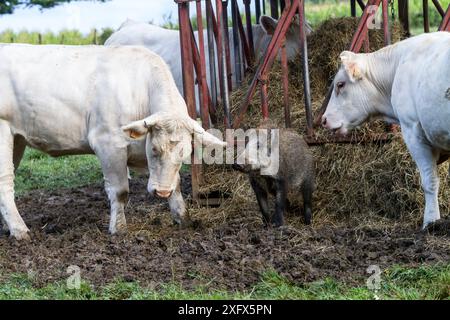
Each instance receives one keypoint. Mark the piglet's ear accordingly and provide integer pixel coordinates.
(350, 63)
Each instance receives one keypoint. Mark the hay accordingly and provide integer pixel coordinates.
(357, 182)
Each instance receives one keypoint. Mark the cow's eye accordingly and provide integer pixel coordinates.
(340, 85)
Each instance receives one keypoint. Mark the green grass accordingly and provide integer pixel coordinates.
(397, 283)
(39, 171)
(67, 37)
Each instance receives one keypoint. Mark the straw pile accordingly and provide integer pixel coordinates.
(357, 182)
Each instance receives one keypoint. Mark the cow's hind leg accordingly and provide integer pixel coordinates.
(426, 159)
(178, 207)
(114, 167)
(19, 149)
(10, 214)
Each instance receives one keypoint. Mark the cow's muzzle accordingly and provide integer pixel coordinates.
(163, 194)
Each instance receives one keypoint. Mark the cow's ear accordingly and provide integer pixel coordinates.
(350, 62)
(135, 130)
(268, 24)
(138, 130)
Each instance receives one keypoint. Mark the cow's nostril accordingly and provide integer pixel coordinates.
(324, 121)
(163, 194)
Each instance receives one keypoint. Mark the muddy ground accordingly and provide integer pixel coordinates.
(69, 227)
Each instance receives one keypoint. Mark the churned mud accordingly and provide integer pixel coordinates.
(69, 228)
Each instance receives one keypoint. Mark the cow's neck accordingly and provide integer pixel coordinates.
(381, 69)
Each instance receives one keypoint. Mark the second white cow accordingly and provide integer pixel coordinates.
(406, 83)
(166, 43)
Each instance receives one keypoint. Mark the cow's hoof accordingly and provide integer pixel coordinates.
(21, 235)
(427, 224)
(118, 231)
(183, 224)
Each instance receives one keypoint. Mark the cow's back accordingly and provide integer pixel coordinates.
(163, 42)
(55, 96)
(423, 80)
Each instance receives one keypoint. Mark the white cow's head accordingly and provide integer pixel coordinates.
(269, 25)
(168, 144)
(355, 97)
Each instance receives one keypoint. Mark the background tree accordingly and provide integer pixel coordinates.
(8, 6)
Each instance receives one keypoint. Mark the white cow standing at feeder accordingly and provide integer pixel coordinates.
(406, 83)
(166, 43)
(66, 100)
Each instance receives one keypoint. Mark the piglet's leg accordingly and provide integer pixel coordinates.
(280, 203)
(307, 201)
(261, 197)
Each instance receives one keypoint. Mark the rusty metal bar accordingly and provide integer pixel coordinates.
(188, 81)
(353, 8)
(306, 80)
(285, 78)
(247, 54)
(426, 17)
(264, 99)
(352, 139)
(227, 46)
(274, 9)
(282, 5)
(219, 43)
(445, 25)
(203, 85)
(257, 10)
(403, 15)
(236, 44)
(211, 53)
(362, 29)
(248, 21)
(221, 61)
(271, 53)
(439, 8)
(186, 58)
(367, 44)
(362, 5)
(387, 34)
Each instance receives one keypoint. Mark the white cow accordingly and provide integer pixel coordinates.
(121, 104)
(166, 43)
(406, 83)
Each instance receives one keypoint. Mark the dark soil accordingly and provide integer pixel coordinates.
(69, 227)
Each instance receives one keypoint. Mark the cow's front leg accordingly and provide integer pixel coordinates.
(4, 225)
(10, 215)
(426, 159)
(114, 167)
(178, 207)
